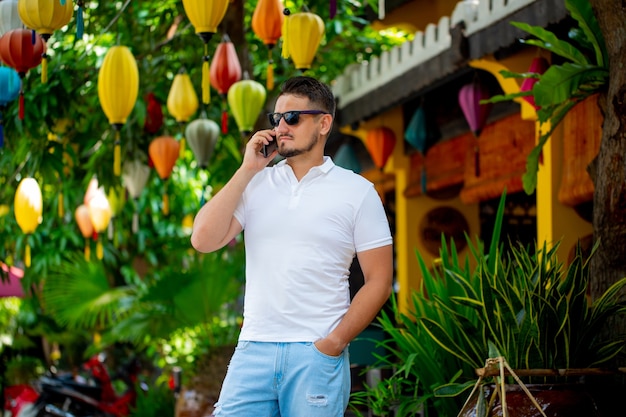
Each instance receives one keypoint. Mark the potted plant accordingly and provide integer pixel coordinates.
(522, 305)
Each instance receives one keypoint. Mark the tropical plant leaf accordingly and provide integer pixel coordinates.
(549, 41)
(582, 12)
(562, 83)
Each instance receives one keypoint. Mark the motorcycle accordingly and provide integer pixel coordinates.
(64, 395)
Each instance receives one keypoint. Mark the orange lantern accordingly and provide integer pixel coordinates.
(302, 34)
(45, 16)
(380, 142)
(118, 87)
(100, 214)
(225, 71)
(182, 101)
(164, 152)
(28, 207)
(205, 16)
(267, 22)
(81, 214)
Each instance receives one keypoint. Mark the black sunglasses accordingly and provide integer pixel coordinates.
(291, 117)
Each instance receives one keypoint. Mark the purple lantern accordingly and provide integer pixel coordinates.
(475, 113)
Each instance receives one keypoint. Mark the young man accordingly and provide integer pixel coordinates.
(304, 221)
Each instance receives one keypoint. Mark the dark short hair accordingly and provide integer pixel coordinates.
(316, 91)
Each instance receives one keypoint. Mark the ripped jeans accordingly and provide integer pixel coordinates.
(267, 379)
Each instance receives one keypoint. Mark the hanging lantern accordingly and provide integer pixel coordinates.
(81, 215)
(302, 34)
(92, 189)
(475, 113)
(9, 16)
(154, 115)
(202, 135)
(539, 65)
(118, 86)
(205, 16)
(246, 99)
(18, 51)
(45, 16)
(100, 214)
(182, 102)
(267, 22)
(345, 157)
(380, 142)
(225, 71)
(10, 86)
(164, 152)
(28, 207)
(135, 177)
(420, 132)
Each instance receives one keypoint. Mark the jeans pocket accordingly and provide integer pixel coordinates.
(324, 355)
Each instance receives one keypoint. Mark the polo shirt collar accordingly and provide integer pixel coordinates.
(326, 166)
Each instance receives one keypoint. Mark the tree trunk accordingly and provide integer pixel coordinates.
(609, 171)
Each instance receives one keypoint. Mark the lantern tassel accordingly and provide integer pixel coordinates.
(44, 68)
(270, 75)
(27, 255)
(476, 161)
(285, 49)
(87, 250)
(60, 208)
(206, 77)
(224, 121)
(99, 250)
(21, 105)
(182, 147)
(135, 226)
(1, 132)
(166, 204)
(117, 155)
(80, 22)
(333, 8)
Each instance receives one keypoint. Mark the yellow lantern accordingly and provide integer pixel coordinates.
(118, 87)
(205, 16)
(45, 16)
(302, 34)
(81, 214)
(246, 99)
(100, 214)
(28, 207)
(182, 102)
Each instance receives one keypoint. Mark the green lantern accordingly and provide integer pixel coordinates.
(246, 99)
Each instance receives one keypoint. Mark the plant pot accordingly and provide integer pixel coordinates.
(556, 400)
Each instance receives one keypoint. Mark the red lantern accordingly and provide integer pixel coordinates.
(164, 152)
(539, 65)
(380, 143)
(267, 22)
(18, 51)
(154, 115)
(225, 71)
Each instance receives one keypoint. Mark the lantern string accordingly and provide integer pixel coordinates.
(117, 155)
(206, 88)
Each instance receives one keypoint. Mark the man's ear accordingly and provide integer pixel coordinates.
(327, 124)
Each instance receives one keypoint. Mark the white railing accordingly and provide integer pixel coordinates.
(360, 79)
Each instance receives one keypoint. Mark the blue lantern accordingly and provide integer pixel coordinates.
(10, 84)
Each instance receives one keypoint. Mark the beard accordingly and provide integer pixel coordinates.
(313, 140)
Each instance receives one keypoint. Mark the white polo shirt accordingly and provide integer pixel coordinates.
(300, 239)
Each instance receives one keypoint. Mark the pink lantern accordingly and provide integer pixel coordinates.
(539, 65)
(475, 113)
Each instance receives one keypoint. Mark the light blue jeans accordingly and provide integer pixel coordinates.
(284, 379)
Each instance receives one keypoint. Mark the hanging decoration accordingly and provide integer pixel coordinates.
(246, 99)
(380, 142)
(205, 16)
(182, 102)
(421, 136)
(346, 157)
(81, 215)
(154, 115)
(475, 113)
(80, 20)
(28, 208)
(135, 177)
(302, 33)
(267, 22)
(164, 152)
(117, 198)
(21, 49)
(538, 66)
(10, 86)
(9, 16)
(202, 135)
(100, 214)
(225, 71)
(118, 86)
(44, 17)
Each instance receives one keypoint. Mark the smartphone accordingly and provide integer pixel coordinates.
(267, 150)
